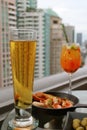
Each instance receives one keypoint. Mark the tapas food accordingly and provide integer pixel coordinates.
(80, 124)
(76, 121)
(45, 100)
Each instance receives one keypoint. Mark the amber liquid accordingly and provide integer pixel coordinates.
(70, 58)
(23, 59)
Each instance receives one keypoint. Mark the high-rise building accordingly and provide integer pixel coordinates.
(56, 40)
(70, 32)
(33, 4)
(79, 38)
(49, 36)
(24, 6)
(30, 17)
(7, 21)
(35, 20)
(41, 21)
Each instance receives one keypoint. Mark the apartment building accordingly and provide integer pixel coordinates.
(22, 7)
(45, 22)
(28, 16)
(41, 21)
(34, 19)
(56, 40)
(7, 21)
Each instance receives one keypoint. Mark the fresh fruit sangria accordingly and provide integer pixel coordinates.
(70, 60)
(70, 57)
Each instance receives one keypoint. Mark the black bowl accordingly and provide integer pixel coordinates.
(59, 111)
(54, 116)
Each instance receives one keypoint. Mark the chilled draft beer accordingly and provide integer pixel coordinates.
(22, 59)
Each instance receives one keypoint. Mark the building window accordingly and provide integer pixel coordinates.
(55, 22)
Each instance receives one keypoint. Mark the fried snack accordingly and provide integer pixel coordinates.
(80, 128)
(76, 120)
(84, 122)
(76, 125)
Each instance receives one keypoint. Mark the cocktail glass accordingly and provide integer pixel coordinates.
(70, 59)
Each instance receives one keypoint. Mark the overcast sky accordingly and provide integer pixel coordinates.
(72, 12)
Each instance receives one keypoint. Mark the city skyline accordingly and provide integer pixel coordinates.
(50, 37)
(37, 19)
(71, 12)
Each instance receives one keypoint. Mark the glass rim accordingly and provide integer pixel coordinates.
(71, 43)
(22, 34)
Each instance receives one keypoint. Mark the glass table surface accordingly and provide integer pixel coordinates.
(82, 95)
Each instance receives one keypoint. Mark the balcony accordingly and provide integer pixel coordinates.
(58, 82)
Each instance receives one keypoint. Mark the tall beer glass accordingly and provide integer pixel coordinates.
(22, 49)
